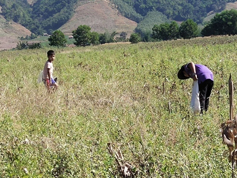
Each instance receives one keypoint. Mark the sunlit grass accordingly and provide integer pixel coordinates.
(128, 95)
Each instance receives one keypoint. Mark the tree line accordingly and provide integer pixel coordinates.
(224, 23)
(48, 16)
(178, 10)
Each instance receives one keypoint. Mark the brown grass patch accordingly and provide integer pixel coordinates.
(101, 17)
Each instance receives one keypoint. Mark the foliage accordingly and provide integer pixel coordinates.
(135, 38)
(188, 29)
(82, 35)
(35, 46)
(147, 37)
(127, 10)
(57, 39)
(165, 31)
(175, 9)
(48, 16)
(32, 36)
(107, 37)
(224, 23)
(94, 38)
(151, 19)
(22, 45)
(25, 45)
(123, 36)
(42, 16)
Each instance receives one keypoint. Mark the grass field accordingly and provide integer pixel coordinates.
(127, 95)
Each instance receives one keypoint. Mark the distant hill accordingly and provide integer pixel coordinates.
(9, 33)
(40, 16)
(211, 14)
(101, 16)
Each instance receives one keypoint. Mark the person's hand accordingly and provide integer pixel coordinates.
(195, 78)
(52, 80)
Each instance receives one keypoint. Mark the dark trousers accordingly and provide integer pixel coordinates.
(204, 94)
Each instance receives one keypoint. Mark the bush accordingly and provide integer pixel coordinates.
(135, 38)
(57, 39)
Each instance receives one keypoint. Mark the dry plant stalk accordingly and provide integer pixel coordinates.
(229, 130)
(125, 168)
(231, 98)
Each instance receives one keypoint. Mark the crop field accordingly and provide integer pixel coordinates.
(127, 96)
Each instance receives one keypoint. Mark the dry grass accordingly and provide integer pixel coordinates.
(134, 102)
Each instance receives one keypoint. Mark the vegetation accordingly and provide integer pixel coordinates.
(57, 39)
(25, 45)
(166, 31)
(82, 35)
(42, 16)
(128, 95)
(224, 23)
(48, 16)
(151, 19)
(188, 29)
(176, 10)
(135, 38)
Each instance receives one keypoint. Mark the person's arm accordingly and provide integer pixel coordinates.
(192, 67)
(48, 73)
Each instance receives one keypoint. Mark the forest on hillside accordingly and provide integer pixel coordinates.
(148, 13)
(42, 16)
(48, 16)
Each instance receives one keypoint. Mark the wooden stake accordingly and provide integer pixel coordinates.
(231, 98)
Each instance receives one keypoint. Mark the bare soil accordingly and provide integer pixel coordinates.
(9, 33)
(231, 5)
(101, 16)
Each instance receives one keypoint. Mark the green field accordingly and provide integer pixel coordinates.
(127, 95)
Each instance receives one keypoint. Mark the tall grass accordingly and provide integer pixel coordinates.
(128, 95)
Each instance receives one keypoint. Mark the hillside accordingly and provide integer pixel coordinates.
(229, 6)
(101, 17)
(9, 33)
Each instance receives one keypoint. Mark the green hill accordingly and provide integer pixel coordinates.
(46, 16)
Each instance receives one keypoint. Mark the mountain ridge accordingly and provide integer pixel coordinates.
(101, 15)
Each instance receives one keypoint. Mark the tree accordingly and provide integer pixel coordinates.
(57, 39)
(107, 37)
(222, 24)
(188, 29)
(94, 38)
(82, 35)
(135, 38)
(174, 30)
(165, 31)
(123, 36)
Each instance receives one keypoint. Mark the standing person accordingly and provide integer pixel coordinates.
(47, 77)
(205, 81)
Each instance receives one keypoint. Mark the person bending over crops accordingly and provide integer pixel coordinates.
(205, 79)
(47, 77)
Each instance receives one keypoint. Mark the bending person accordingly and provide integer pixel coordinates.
(205, 81)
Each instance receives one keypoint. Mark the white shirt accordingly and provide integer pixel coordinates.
(48, 65)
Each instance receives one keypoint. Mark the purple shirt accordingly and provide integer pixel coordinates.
(203, 72)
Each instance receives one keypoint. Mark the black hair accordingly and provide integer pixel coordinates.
(181, 73)
(50, 52)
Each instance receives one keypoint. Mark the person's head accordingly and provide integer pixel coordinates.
(51, 55)
(182, 74)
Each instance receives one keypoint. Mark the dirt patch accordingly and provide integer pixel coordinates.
(9, 33)
(31, 1)
(230, 6)
(101, 16)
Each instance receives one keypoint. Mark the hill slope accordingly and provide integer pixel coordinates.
(101, 17)
(9, 33)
